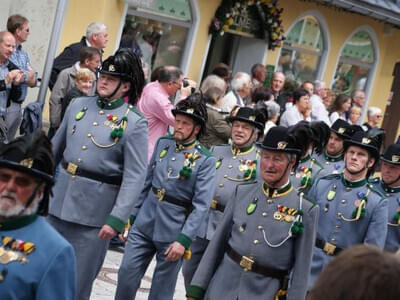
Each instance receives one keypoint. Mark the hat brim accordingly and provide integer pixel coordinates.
(287, 150)
(373, 151)
(33, 172)
(192, 116)
(254, 123)
(382, 158)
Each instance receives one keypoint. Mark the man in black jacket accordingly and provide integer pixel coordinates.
(96, 36)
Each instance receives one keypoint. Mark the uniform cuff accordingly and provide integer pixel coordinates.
(132, 219)
(115, 223)
(184, 240)
(195, 292)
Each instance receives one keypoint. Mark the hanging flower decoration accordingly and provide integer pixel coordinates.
(265, 12)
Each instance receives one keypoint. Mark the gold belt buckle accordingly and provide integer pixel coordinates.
(213, 204)
(246, 263)
(160, 194)
(71, 168)
(329, 248)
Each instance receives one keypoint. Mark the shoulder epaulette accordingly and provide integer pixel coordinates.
(317, 163)
(244, 184)
(134, 109)
(331, 176)
(204, 150)
(309, 199)
(376, 191)
(167, 137)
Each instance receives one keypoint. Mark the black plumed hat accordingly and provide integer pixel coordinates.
(392, 154)
(249, 115)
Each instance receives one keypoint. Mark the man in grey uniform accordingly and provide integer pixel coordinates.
(101, 148)
(266, 236)
(332, 155)
(389, 185)
(178, 190)
(236, 163)
(352, 210)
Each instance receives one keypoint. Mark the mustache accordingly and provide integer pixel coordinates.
(9, 195)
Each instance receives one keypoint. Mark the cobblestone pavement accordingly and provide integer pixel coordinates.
(106, 282)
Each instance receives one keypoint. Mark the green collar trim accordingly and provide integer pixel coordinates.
(272, 192)
(353, 184)
(242, 151)
(333, 158)
(110, 105)
(389, 189)
(16, 223)
(302, 160)
(180, 147)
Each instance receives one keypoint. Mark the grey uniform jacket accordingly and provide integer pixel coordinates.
(337, 199)
(265, 238)
(166, 222)
(332, 164)
(231, 171)
(87, 143)
(393, 230)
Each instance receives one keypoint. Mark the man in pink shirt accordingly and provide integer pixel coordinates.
(156, 106)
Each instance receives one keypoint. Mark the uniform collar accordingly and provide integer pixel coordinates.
(353, 184)
(16, 223)
(333, 158)
(303, 160)
(277, 192)
(389, 189)
(185, 146)
(242, 151)
(110, 105)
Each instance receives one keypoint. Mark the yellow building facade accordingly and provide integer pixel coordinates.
(189, 21)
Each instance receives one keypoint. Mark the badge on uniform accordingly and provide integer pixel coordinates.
(218, 163)
(252, 206)
(163, 152)
(285, 213)
(81, 114)
(332, 193)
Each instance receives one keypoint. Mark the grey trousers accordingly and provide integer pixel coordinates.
(139, 251)
(90, 252)
(189, 267)
(13, 120)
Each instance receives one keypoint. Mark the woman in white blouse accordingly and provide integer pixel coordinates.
(339, 107)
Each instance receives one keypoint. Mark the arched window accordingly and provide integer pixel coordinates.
(161, 31)
(356, 62)
(300, 57)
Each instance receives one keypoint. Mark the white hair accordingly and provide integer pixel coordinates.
(95, 28)
(273, 109)
(373, 110)
(240, 80)
(318, 84)
(213, 81)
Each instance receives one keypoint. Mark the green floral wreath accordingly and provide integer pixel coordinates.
(266, 11)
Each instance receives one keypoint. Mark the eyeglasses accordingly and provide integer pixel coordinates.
(20, 181)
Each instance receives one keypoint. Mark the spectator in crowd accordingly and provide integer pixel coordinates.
(358, 98)
(277, 83)
(241, 88)
(10, 79)
(329, 98)
(155, 103)
(90, 59)
(299, 111)
(218, 129)
(96, 36)
(273, 110)
(374, 117)
(258, 75)
(318, 110)
(19, 27)
(84, 82)
(261, 94)
(36, 261)
(213, 81)
(359, 273)
(223, 71)
(339, 108)
(354, 115)
(309, 86)
(155, 74)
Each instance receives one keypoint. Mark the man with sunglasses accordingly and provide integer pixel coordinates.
(36, 262)
(155, 103)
